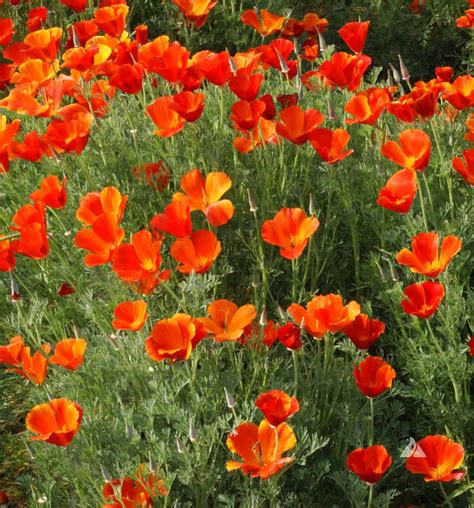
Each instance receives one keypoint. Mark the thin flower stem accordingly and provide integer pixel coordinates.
(445, 496)
(423, 211)
(262, 261)
(294, 271)
(371, 495)
(294, 354)
(372, 421)
(306, 270)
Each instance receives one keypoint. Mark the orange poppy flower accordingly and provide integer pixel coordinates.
(413, 152)
(101, 241)
(291, 230)
(330, 144)
(196, 11)
(367, 106)
(373, 376)
(134, 492)
(7, 256)
(128, 78)
(244, 85)
(324, 313)
(165, 118)
(469, 136)
(7, 132)
(6, 31)
(130, 315)
(30, 222)
(465, 167)
(227, 321)
(80, 32)
(246, 115)
(277, 54)
(261, 448)
(51, 192)
(188, 105)
(11, 353)
(313, 24)
(466, 21)
(289, 335)
(422, 101)
(423, 299)
(176, 220)
(69, 135)
(204, 193)
(345, 70)
(69, 353)
(56, 422)
(31, 149)
(425, 258)
(268, 23)
(264, 133)
(298, 125)
(34, 367)
(354, 35)
(369, 464)
(156, 174)
(399, 191)
(111, 19)
(173, 63)
(44, 44)
(107, 201)
(76, 5)
(436, 457)
(174, 339)
(364, 331)
(277, 406)
(460, 93)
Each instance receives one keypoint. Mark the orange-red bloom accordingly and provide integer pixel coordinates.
(324, 313)
(11, 353)
(466, 21)
(156, 174)
(174, 339)
(354, 35)
(6, 31)
(56, 422)
(197, 252)
(76, 5)
(268, 23)
(34, 367)
(188, 105)
(244, 85)
(291, 230)
(425, 258)
(413, 152)
(107, 201)
(460, 93)
(261, 448)
(436, 457)
(367, 106)
(399, 191)
(264, 133)
(373, 376)
(364, 331)
(227, 321)
(277, 406)
(51, 192)
(246, 115)
(30, 222)
(196, 11)
(465, 167)
(423, 299)
(111, 19)
(298, 125)
(176, 220)
(369, 464)
(69, 353)
(130, 315)
(330, 144)
(165, 117)
(344, 70)
(7, 256)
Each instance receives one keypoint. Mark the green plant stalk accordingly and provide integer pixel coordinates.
(294, 355)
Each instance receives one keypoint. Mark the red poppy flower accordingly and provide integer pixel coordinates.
(128, 78)
(313, 24)
(30, 149)
(6, 72)
(277, 406)
(197, 252)
(76, 5)
(264, 133)
(413, 152)
(289, 335)
(261, 448)
(466, 21)
(444, 74)
(460, 93)
(291, 230)
(227, 321)
(69, 353)
(354, 35)
(156, 174)
(215, 67)
(298, 125)
(165, 117)
(11, 353)
(324, 313)
(465, 167)
(188, 105)
(66, 289)
(373, 376)
(344, 70)
(364, 331)
(130, 316)
(56, 422)
(7, 256)
(6, 31)
(36, 17)
(470, 345)
(436, 457)
(244, 85)
(369, 464)
(34, 367)
(196, 11)
(30, 222)
(44, 44)
(51, 192)
(174, 339)
(399, 191)
(176, 220)
(111, 19)
(246, 115)
(330, 144)
(107, 201)
(425, 258)
(268, 23)
(367, 106)
(423, 299)
(204, 193)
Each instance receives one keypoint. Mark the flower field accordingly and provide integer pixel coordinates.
(234, 271)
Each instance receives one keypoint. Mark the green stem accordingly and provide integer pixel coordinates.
(371, 495)
(445, 496)
(372, 421)
(294, 355)
(423, 211)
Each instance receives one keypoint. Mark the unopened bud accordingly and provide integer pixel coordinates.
(451, 140)
(283, 65)
(230, 401)
(253, 207)
(393, 273)
(390, 78)
(322, 42)
(396, 75)
(106, 474)
(180, 446)
(281, 313)
(233, 67)
(263, 317)
(403, 69)
(192, 433)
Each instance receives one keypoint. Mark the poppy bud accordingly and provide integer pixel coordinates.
(15, 291)
(393, 273)
(192, 433)
(396, 75)
(255, 279)
(263, 317)
(180, 446)
(322, 42)
(233, 67)
(253, 207)
(331, 112)
(229, 399)
(282, 314)
(311, 205)
(283, 65)
(390, 78)
(105, 474)
(403, 69)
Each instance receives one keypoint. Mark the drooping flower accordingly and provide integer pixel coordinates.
(277, 406)
(130, 315)
(373, 376)
(69, 353)
(55, 422)
(425, 257)
(423, 299)
(436, 457)
(291, 230)
(261, 448)
(369, 464)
